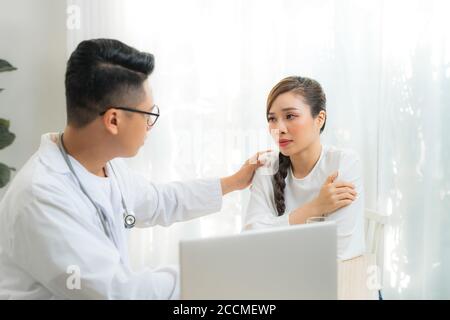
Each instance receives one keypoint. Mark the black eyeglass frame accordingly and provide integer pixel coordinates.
(138, 111)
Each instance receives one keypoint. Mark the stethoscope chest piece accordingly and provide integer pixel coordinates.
(129, 220)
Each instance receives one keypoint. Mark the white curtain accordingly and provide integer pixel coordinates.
(385, 66)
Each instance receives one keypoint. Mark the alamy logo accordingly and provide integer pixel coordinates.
(73, 17)
(73, 281)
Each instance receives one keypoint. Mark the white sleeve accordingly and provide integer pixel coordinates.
(261, 211)
(350, 219)
(164, 204)
(54, 246)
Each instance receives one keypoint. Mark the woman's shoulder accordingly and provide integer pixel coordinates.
(340, 155)
(270, 164)
(264, 175)
(345, 161)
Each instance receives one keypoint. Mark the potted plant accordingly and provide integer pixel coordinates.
(6, 137)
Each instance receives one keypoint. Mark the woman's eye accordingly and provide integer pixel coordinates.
(290, 116)
(270, 119)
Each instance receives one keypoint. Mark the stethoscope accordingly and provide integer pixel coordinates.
(128, 216)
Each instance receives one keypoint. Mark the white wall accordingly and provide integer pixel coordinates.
(33, 39)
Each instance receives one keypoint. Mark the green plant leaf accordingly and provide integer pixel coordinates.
(6, 66)
(5, 175)
(4, 123)
(6, 137)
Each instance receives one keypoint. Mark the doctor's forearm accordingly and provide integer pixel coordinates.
(228, 184)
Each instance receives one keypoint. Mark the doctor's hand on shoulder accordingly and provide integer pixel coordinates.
(244, 176)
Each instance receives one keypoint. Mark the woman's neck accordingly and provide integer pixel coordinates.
(304, 161)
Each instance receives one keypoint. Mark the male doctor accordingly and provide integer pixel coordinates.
(68, 210)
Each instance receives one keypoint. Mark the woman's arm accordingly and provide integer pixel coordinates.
(333, 196)
(350, 219)
(261, 210)
(305, 211)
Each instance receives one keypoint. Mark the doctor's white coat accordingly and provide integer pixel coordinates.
(49, 229)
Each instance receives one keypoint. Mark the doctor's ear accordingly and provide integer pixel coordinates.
(111, 120)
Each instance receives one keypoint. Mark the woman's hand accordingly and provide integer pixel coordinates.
(243, 178)
(334, 195)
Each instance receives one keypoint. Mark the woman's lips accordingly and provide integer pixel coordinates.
(284, 143)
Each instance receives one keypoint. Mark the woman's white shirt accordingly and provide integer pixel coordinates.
(261, 211)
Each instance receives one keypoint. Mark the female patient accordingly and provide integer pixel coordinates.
(311, 179)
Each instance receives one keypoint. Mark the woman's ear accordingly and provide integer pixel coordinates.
(321, 117)
(111, 121)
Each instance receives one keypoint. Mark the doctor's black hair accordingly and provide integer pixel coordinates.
(315, 98)
(102, 73)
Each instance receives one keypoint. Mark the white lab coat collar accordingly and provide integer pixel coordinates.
(50, 154)
(51, 157)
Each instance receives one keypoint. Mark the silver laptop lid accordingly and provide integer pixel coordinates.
(296, 262)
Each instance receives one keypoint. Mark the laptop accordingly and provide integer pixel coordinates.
(295, 262)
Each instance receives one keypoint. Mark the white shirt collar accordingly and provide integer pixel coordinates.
(50, 155)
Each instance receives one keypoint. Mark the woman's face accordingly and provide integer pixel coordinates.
(292, 125)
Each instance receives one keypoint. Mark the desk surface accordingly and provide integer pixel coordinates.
(357, 278)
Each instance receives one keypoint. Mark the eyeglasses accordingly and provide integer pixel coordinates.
(151, 116)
